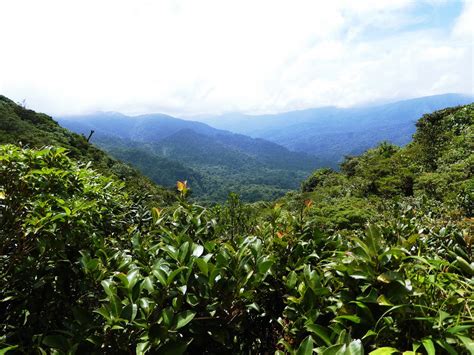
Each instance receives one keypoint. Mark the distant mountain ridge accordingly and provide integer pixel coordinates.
(278, 152)
(215, 161)
(330, 132)
(143, 128)
(157, 127)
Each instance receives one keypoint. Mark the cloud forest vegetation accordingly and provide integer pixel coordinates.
(373, 259)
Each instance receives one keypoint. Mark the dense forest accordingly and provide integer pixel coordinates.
(27, 128)
(287, 146)
(331, 132)
(375, 258)
(213, 161)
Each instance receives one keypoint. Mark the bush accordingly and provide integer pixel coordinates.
(51, 210)
(356, 264)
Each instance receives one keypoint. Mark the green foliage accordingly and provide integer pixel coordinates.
(438, 164)
(51, 211)
(215, 162)
(213, 169)
(24, 127)
(354, 264)
(82, 268)
(318, 178)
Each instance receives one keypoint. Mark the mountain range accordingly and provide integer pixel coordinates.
(260, 157)
(215, 162)
(330, 133)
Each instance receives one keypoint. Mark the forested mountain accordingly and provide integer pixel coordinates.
(144, 128)
(373, 259)
(24, 127)
(330, 133)
(155, 128)
(214, 161)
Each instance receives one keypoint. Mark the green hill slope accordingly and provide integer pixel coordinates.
(21, 126)
(375, 259)
(437, 166)
(215, 162)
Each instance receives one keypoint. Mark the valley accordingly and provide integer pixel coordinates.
(375, 257)
(237, 177)
(215, 162)
(257, 157)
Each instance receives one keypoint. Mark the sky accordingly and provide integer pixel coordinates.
(189, 57)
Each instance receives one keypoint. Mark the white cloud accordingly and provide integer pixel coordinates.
(209, 56)
(465, 25)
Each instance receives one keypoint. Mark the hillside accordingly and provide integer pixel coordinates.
(21, 126)
(161, 170)
(215, 162)
(330, 133)
(144, 128)
(376, 258)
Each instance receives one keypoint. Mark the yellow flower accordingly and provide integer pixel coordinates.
(156, 211)
(182, 186)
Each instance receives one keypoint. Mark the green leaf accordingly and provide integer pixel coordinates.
(459, 328)
(384, 351)
(445, 346)
(183, 251)
(173, 348)
(116, 305)
(142, 348)
(192, 299)
(184, 318)
(355, 348)
(465, 266)
(291, 280)
(129, 312)
(352, 318)
(123, 278)
(161, 276)
(132, 278)
(108, 287)
(468, 343)
(3, 351)
(372, 238)
(104, 312)
(198, 250)
(145, 304)
(202, 265)
(337, 349)
(389, 276)
(306, 346)
(320, 331)
(264, 266)
(429, 346)
(383, 301)
(148, 284)
(56, 342)
(173, 274)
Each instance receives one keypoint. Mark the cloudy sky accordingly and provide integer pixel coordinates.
(213, 56)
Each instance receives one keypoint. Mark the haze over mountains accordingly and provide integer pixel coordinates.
(215, 161)
(266, 155)
(330, 133)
